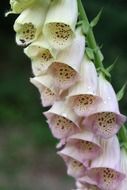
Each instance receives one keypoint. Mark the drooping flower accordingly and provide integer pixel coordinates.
(123, 185)
(66, 67)
(107, 120)
(17, 6)
(105, 169)
(41, 54)
(82, 146)
(74, 167)
(60, 23)
(83, 95)
(46, 88)
(29, 23)
(62, 121)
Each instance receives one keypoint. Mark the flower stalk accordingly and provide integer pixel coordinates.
(90, 36)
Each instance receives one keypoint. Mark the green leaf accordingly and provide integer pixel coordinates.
(111, 67)
(90, 53)
(85, 26)
(96, 19)
(106, 73)
(121, 93)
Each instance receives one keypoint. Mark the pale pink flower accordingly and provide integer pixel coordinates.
(86, 186)
(105, 169)
(107, 120)
(46, 88)
(62, 121)
(83, 95)
(66, 68)
(82, 146)
(74, 167)
(123, 185)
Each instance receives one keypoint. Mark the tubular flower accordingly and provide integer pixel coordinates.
(47, 91)
(74, 168)
(60, 23)
(82, 146)
(66, 67)
(107, 120)
(29, 24)
(62, 121)
(83, 95)
(105, 169)
(17, 6)
(123, 185)
(41, 54)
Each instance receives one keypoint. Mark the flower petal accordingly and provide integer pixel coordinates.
(41, 55)
(29, 23)
(47, 91)
(66, 67)
(105, 170)
(62, 121)
(83, 96)
(60, 23)
(83, 147)
(74, 168)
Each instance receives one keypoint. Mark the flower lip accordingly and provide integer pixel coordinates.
(104, 124)
(106, 178)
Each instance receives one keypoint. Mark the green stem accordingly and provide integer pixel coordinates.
(123, 134)
(90, 36)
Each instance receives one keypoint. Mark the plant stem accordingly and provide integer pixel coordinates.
(90, 36)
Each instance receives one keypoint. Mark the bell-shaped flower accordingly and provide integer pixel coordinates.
(17, 6)
(66, 67)
(82, 146)
(83, 95)
(29, 23)
(74, 167)
(107, 120)
(62, 121)
(123, 185)
(60, 23)
(105, 169)
(46, 88)
(41, 54)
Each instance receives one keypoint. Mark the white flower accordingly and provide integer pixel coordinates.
(60, 23)
(29, 23)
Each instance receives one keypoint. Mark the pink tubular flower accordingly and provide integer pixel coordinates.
(46, 88)
(107, 120)
(65, 69)
(105, 170)
(74, 167)
(62, 121)
(83, 96)
(123, 185)
(83, 146)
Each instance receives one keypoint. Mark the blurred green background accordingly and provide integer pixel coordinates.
(27, 149)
